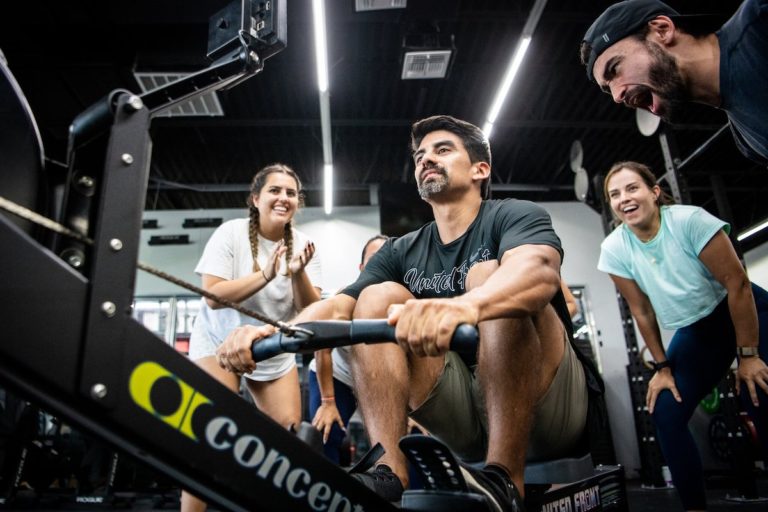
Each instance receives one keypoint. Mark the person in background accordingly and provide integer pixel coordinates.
(676, 266)
(646, 55)
(331, 399)
(570, 300)
(264, 264)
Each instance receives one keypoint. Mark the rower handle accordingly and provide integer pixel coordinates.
(335, 333)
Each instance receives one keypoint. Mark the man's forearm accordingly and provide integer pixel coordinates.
(523, 285)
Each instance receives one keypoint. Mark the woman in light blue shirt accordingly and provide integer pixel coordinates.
(675, 266)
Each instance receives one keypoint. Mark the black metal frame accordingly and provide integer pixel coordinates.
(65, 348)
(70, 343)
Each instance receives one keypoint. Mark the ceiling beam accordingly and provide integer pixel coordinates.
(160, 184)
(396, 123)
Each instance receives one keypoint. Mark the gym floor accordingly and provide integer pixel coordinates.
(640, 500)
(663, 500)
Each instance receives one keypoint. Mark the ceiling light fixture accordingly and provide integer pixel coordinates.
(753, 230)
(514, 65)
(321, 54)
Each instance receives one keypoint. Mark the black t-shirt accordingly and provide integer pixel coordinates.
(431, 269)
(744, 77)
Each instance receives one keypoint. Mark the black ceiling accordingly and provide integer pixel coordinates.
(67, 55)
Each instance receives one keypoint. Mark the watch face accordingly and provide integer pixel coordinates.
(747, 351)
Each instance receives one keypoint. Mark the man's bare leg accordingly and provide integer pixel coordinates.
(517, 360)
(385, 382)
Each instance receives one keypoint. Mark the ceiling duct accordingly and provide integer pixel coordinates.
(427, 53)
(204, 105)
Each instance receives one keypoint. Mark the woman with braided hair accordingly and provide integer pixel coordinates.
(265, 265)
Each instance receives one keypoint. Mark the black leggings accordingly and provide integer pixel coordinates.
(701, 355)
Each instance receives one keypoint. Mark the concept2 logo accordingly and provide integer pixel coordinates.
(143, 379)
(174, 402)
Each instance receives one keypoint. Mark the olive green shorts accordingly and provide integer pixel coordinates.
(454, 413)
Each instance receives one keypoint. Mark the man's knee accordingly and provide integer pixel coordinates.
(480, 272)
(288, 419)
(374, 300)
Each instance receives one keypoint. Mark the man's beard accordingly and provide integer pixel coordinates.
(667, 81)
(435, 185)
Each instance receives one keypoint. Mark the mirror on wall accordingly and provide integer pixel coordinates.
(584, 331)
(170, 317)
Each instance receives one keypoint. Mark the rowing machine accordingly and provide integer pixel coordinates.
(571, 483)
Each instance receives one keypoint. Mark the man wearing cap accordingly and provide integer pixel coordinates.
(646, 55)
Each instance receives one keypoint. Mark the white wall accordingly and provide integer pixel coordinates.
(339, 239)
(757, 265)
(581, 231)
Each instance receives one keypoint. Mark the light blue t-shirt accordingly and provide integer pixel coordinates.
(667, 268)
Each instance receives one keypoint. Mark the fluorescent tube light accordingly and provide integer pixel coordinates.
(328, 188)
(751, 231)
(487, 129)
(514, 65)
(506, 84)
(321, 52)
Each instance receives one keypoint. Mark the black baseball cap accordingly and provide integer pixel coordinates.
(624, 19)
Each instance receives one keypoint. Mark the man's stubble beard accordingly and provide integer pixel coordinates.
(667, 81)
(435, 185)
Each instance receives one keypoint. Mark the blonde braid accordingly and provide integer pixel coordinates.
(288, 238)
(253, 235)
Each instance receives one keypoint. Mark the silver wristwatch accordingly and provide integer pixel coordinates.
(747, 351)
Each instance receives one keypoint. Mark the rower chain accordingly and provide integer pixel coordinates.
(40, 220)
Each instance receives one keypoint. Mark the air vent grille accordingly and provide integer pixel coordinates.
(379, 5)
(204, 105)
(431, 64)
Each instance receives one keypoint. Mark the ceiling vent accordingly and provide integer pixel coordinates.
(379, 5)
(206, 104)
(427, 51)
(426, 64)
